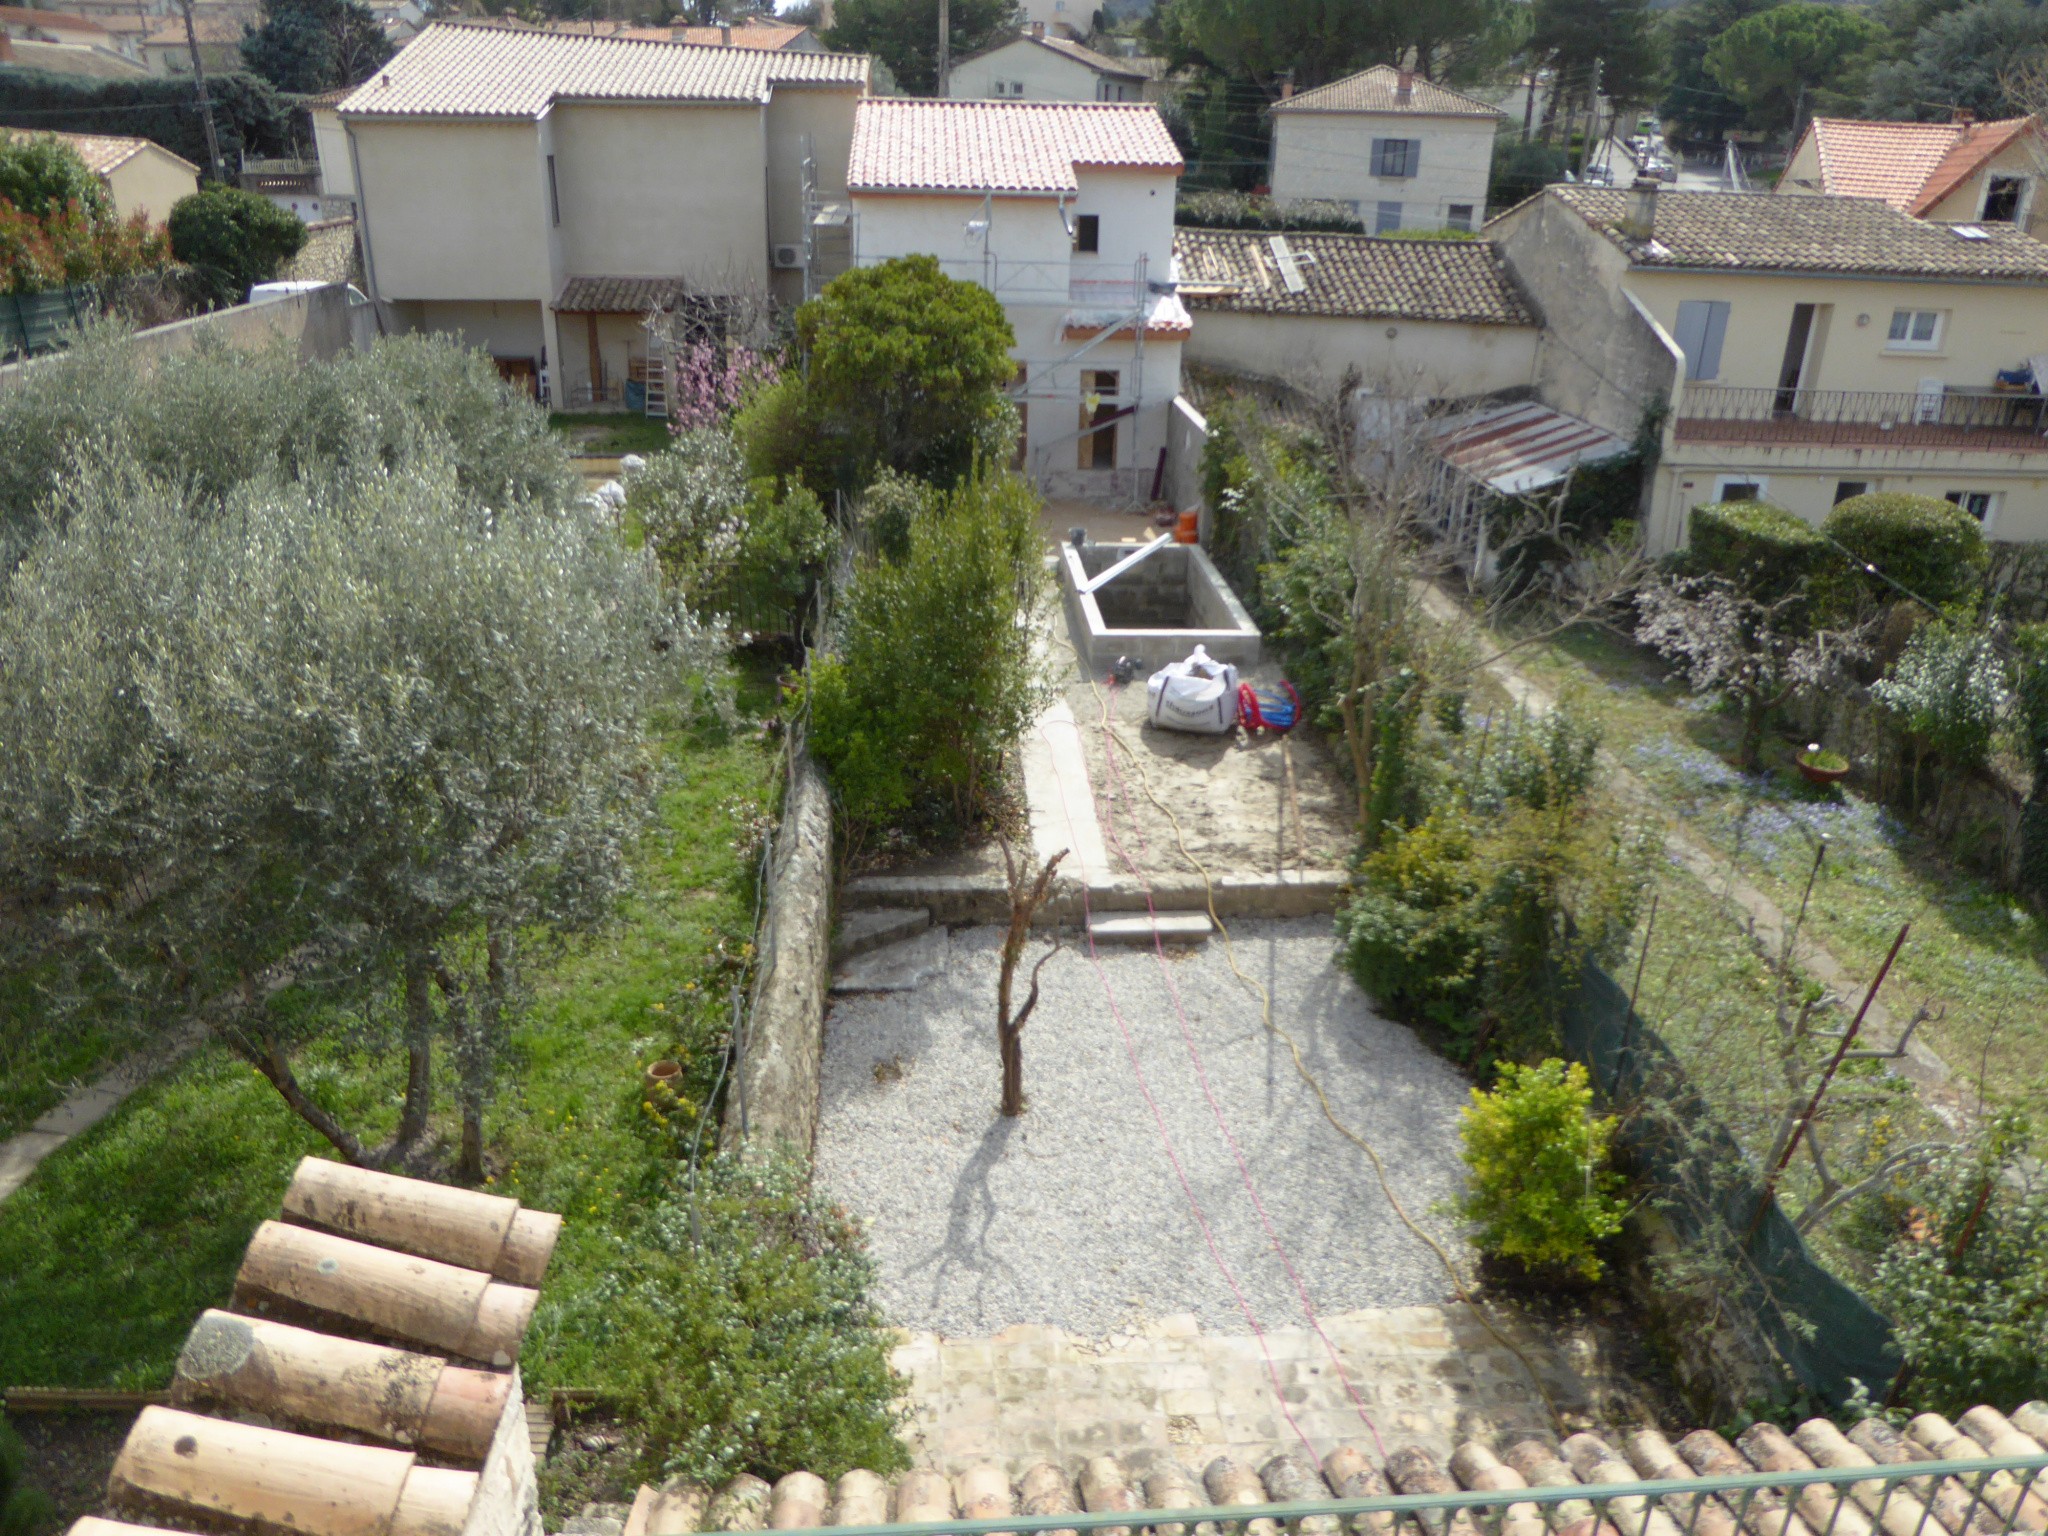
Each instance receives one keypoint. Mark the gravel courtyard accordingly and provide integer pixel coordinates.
(1073, 1215)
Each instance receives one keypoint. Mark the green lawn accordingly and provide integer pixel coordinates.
(610, 432)
(39, 1065)
(1975, 955)
(121, 1238)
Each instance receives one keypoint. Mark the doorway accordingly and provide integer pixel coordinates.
(519, 372)
(1099, 413)
(1792, 372)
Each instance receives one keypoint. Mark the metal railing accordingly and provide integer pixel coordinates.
(1951, 416)
(1990, 1497)
(1082, 282)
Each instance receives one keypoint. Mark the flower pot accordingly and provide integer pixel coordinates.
(663, 1078)
(1815, 775)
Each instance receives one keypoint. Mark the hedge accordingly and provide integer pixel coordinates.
(1932, 548)
(247, 112)
(1242, 210)
(1760, 547)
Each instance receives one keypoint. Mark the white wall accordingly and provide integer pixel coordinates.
(1064, 18)
(1419, 358)
(149, 183)
(1042, 74)
(330, 147)
(1328, 155)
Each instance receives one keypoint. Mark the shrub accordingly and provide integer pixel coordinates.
(935, 676)
(2030, 696)
(249, 115)
(1932, 548)
(1945, 694)
(769, 1354)
(233, 239)
(24, 1509)
(1245, 210)
(689, 505)
(884, 513)
(1541, 1193)
(1762, 549)
(39, 174)
(905, 370)
(1965, 1282)
(785, 550)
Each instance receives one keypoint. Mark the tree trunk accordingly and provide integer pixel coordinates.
(1011, 1040)
(419, 1074)
(1027, 895)
(486, 1023)
(268, 1057)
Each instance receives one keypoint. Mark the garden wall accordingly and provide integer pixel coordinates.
(774, 1105)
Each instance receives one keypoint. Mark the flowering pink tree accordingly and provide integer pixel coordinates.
(711, 382)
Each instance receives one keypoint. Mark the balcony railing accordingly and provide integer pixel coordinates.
(1949, 417)
(1083, 283)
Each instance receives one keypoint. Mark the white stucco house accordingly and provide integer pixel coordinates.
(1402, 151)
(1060, 18)
(1065, 213)
(1036, 67)
(541, 193)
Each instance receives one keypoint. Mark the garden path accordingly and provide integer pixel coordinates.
(86, 1107)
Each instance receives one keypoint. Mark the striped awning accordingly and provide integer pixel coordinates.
(1515, 449)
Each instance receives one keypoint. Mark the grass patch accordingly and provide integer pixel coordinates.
(610, 432)
(1975, 953)
(41, 1063)
(109, 1252)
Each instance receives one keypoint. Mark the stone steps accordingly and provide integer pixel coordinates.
(869, 928)
(802, 1501)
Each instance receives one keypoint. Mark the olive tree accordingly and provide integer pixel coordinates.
(315, 746)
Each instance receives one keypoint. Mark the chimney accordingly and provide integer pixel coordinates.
(1639, 222)
(1038, 29)
(1404, 87)
(725, 34)
(1287, 88)
(1962, 117)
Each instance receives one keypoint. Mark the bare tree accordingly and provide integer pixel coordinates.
(1027, 895)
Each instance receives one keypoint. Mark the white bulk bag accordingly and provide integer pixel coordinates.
(1197, 695)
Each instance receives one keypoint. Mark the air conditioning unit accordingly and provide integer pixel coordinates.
(788, 258)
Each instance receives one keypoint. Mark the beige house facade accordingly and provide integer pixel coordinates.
(140, 176)
(1040, 68)
(1799, 349)
(1064, 211)
(1402, 152)
(540, 193)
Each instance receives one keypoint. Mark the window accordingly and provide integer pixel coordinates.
(1385, 217)
(554, 193)
(1702, 323)
(1740, 488)
(1915, 330)
(1844, 489)
(2005, 199)
(1088, 232)
(1396, 157)
(1459, 216)
(1979, 504)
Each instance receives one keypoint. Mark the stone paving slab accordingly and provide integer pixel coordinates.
(1430, 1376)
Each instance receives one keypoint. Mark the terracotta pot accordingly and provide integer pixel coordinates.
(1814, 775)
(663, 1078)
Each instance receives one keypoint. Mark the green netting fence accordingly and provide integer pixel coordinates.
(34, 322)
(1829, 1337)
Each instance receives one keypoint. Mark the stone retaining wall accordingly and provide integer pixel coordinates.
(774, 1105)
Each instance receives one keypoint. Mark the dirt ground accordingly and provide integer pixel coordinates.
(1248, 804)
(69, 1457)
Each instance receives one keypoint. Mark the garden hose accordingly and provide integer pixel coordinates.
(1301, 1067)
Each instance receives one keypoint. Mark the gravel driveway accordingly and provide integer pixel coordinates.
(1072, 1214)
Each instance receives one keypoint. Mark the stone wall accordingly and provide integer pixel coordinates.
(774, 1105)
(508, 1491)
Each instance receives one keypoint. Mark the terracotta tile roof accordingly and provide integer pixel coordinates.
(755, 34)
(75, 59)
(900, 144)
(1808, 232)
(620, 295)
(1979, 143)
(1348, 277)
(470, 70)
(1912, 166)
(1373, 90)
(103, 153)
(208, 29)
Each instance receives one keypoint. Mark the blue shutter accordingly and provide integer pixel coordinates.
(1414, 158)
(1379, 157)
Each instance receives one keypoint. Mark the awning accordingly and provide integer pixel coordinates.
(619, 295)
(1515, 449)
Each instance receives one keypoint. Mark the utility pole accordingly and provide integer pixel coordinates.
(945, 46)
(205, 105)
(1592, 121)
